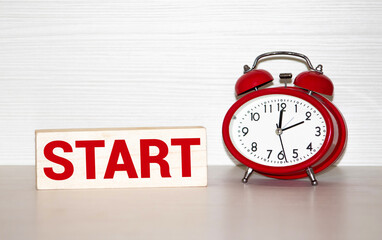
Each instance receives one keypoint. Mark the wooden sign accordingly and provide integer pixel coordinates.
(119, 158)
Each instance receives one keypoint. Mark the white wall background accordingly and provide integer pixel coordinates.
(121, 63)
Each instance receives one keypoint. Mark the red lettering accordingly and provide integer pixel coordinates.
(146, 158)
(185, 144)
(120, 148)
(68, 166)
(90, 146)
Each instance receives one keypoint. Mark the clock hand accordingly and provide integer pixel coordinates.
(293, 125)
(282, 145)
(289, 121)
(280, 118)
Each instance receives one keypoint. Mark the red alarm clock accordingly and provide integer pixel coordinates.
(284, 132)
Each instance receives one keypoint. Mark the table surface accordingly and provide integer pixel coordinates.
(346, 204)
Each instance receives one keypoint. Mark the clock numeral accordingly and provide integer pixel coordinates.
(270, 152)
(245, 131)
(281, 106)
(295, 153)
(281, 155)
(265, 108)
(295, 107)
(308, 115)
(318, 133)
(254, 147)
(255, 116)
(309, 147)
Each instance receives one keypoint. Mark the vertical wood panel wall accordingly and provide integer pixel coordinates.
(121, 63)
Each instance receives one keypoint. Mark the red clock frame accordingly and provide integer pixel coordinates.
(331, 149)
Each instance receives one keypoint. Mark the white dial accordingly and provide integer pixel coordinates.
(277, 130)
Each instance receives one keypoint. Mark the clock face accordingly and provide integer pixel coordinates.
(277, 130)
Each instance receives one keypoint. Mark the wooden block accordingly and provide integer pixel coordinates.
(121, 158)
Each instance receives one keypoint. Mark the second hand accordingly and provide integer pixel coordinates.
(282, 145)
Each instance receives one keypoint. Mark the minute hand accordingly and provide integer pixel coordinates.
(280, 118)
(293, 125)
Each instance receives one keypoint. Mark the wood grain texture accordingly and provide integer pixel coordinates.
(347, 203)
(92, 64)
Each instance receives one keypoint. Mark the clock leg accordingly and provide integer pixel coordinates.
(311, 176)
(247, 175)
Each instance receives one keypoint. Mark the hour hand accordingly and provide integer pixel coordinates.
(294, 125)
